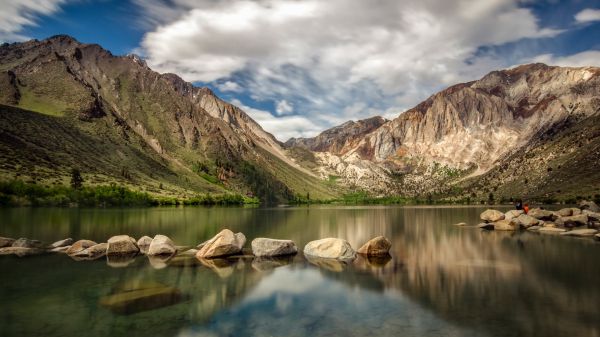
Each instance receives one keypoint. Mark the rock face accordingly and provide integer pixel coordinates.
(376, 247)
(492, 215)
(62, 243)
(6, 242)
(225, 243)
(79, 246)
(144, 243)
(161, 245)
(264, 247)
(122, 245)
(330, 248)
(581, 232)
(506, 225)
(27, 243)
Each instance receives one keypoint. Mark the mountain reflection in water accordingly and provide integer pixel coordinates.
(440, 280)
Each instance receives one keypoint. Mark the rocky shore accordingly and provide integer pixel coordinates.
(582, 221)
(121, 250)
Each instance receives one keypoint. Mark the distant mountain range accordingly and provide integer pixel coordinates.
(530, 131)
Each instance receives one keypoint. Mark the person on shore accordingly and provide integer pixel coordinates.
(526, 208)
(519, 205)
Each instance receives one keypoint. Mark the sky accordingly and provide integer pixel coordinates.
(299, 67)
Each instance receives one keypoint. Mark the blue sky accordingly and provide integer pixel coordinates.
(301, 66)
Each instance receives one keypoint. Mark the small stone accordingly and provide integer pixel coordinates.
(122, 245)
(161, 245)
(581, 232)
(62, 243)
(272, 247)
(492, 215)
(461, 224)
(330, 248)
(376, 246)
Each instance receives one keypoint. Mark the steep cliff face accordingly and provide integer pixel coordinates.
(466, 129)
(187, 127)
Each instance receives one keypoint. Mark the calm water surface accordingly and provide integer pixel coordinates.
(441, 280)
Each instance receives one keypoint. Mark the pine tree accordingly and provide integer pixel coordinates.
(76, 179)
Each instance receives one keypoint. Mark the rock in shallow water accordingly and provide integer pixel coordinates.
(62, 243)
(542, 214)
(27, 243)
(573, 221)
(122, 245)
(225, 243)
(492, 215)
(330, 248)
(513, 214)
(91, 253)
(21, 251)
(376, 247)
(161, 245)
(581, 232)
(506, 225)
(6, 242)
(527, 221)
(273, 247)
(551, 230)
(80, 245)
(144, 243)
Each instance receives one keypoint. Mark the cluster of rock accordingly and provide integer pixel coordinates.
(225, 243)
(582, 221)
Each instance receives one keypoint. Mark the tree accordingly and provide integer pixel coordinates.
(76, 179)
(491, 199)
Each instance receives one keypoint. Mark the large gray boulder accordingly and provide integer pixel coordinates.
(225, 243)
(589, 205)
(62, 243)
(581, 232)
(27, 243)
(161, 245)
(265, 247)
(542, 214)
(492, 215)
(6, 242)
(513, 214)
(506, 225)
(330, 248)
(144, 243)
(122, 245)
(376, 247)
(527, 221)
(573, 221)
(79, 246)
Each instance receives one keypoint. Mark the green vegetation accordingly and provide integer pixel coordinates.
(18, 193)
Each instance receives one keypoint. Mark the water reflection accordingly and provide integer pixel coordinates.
(439, 279)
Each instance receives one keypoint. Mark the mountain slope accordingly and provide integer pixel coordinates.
(208, 144)
(445, 143)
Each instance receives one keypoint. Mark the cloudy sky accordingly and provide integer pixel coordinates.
(301, 66)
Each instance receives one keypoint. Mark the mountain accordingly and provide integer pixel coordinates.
(65, 104)
(527, 131)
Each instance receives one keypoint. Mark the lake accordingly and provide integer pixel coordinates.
(441, 280)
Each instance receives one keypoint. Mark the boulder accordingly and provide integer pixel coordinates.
(492, 215)
(527, 221)
(513, 214)
(21, 251)
(565, 212)
(330, 248)
(122, 245)
(576, 211)
(581, 232)
(6, 242)
(62, 243)
(79, 246)
(376, 247)
(92, 253)
(161, 245)
(225, 243)
(590, 206)
(272, 247)
(542, 214)
(506, 225)
(573, 221)
(144, 243)
(551, 230)
(592, 215)
(486, 225)
(27, 243)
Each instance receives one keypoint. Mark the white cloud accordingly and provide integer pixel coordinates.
(283, 107)
(229, 86)
(327, 57)
(16, 14)
(588, 15)
(583, 59)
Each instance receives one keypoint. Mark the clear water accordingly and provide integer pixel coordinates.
(441, 280)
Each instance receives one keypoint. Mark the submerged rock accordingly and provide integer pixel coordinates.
(376, 247)
(6, 242)
(225, 243)
(330, 248)
(581, 232)
(79, 246)
(161, 245)
(273, 247)
(506, 225)
(492, 215)
(62, 243)
(27, 243)
(551, 230)
(144, 243)
(137, 297)
(122, 245)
